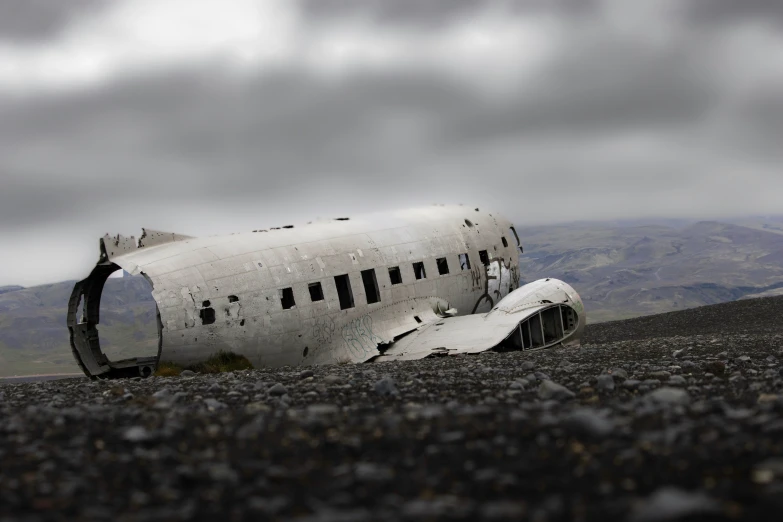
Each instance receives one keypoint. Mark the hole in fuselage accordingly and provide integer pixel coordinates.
(128, 325)
(207, 315)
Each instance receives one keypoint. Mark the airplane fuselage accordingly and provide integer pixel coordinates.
(326, 292)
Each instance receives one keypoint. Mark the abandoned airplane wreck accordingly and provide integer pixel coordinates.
(397, 285)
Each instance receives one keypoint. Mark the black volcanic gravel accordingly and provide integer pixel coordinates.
(683, 427)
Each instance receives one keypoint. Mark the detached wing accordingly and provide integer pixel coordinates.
(541, 314)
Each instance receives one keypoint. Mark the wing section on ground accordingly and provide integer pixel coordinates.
(538, 315)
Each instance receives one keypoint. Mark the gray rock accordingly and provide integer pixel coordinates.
(502, 510)
(305, 374)
(370, 472)
(187, 373)
(677, 380)
(669, 396)
(251, 430)
(332, 379)
(619, 374)
(604, 383)
(137, 434)
(277, 390)
(386, 387)
(214, 404)
(768, 471)
(551, 390)
(588, 423)
(221, 472)
(527, 366)
(674, 504)
(631, 384)
(268, 505)
(687, 365)
(323, 409)
(163, 393)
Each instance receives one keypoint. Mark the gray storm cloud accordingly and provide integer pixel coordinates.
(210, 117)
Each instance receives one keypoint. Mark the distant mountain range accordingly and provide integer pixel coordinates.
(621, 269)
(34, 336)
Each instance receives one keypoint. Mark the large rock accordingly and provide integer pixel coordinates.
(669, 396)
(551, 390)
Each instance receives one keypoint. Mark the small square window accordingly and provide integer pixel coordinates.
(505, 243)
(484, 257)
(316, 292)
(464, 261)
(344, 291)
(370, 286)
(418, 270)
(395, 276)
(287, 298)
(443, 265)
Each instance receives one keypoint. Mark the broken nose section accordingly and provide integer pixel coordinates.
(83, 319)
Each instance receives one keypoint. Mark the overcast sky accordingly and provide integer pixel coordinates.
(207, 116)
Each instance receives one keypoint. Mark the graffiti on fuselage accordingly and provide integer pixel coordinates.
(475, 276)
(498, 274)
(323, 330)
(359, 337)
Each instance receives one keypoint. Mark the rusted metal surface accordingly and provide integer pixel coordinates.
(232, 292)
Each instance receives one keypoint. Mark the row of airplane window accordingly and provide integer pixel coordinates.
(343, 283)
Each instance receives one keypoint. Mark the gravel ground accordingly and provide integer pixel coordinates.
(632, 426)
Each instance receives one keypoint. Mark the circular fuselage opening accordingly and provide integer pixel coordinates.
(128, 327)
(114, 324)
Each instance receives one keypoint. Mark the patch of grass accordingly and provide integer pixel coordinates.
(168, 369)
(219, 363)
(222, 362)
